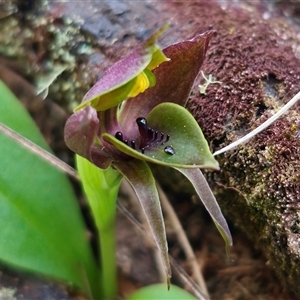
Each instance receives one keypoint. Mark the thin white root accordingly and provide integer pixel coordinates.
(261, 127)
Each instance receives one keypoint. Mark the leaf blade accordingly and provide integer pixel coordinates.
(44, 231)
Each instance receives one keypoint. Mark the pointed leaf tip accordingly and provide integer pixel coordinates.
(204, 192)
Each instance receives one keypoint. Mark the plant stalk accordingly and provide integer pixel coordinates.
(101, 188)
(107, 250)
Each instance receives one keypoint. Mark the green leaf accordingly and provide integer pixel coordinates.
(186, 138)
(159, 291)
(41, 225)
(139, 175)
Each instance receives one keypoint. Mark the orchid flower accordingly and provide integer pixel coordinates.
(135, 115)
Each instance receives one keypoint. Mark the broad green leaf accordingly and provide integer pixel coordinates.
(186, 138)
(159, 291)
(41, 226)
(140, 177)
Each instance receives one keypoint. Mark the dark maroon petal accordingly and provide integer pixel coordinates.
(174, 80)
(100, 158)
(80, 131)
(204, 192)
(108, 121)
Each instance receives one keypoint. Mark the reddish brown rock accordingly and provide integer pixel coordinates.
(255, 59)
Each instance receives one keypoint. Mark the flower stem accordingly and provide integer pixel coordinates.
(107, 248)
(101, 188)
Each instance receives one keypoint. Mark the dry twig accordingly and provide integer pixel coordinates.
(184, 242)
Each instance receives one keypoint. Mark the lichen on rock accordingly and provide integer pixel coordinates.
(42, 45)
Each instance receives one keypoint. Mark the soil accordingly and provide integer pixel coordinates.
(245, 274)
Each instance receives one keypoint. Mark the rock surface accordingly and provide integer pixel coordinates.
(255, 57)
